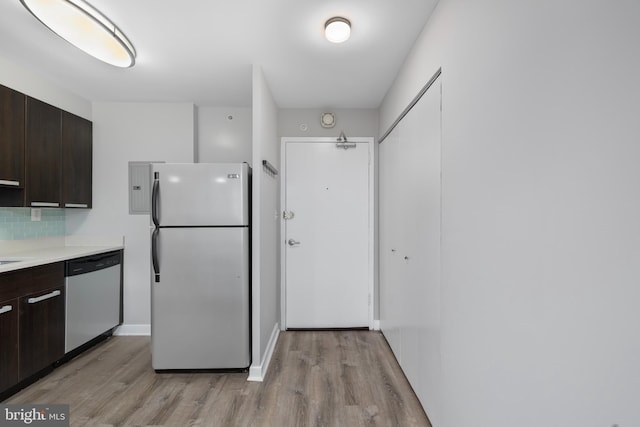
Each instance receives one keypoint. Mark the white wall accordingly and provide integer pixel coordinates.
(265, 226)
(540, 243)
(224, 134)
(124, 132)
(354, 122)
(35, 85)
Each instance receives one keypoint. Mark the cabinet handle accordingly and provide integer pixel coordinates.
(76, 205)
(45, 205)
(8, 182)
(43, 297)
(6, 309)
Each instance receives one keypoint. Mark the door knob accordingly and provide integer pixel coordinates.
(292, 242)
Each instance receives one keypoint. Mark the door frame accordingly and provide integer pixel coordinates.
(372, 221)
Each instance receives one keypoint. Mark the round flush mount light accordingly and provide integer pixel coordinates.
(86, 28)
(337, 29)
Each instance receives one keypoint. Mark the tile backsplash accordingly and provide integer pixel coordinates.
(16, 224)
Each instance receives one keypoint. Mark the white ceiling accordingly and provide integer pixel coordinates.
(202, 51)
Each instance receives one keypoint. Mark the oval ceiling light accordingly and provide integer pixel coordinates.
(337, 29)
(86, 28)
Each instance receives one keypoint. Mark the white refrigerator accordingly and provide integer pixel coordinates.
(200, 252)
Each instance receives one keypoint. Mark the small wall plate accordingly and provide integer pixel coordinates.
(328, 120)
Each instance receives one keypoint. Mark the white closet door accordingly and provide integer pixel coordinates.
(391, 235)
(410, 224)
(421, 317)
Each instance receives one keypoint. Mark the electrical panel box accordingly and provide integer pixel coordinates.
(140, 188)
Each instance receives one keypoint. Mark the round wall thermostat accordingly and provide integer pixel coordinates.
(327, 120)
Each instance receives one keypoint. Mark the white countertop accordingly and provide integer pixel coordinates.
(34, 252)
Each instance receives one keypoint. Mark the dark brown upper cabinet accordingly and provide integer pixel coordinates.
(76, 161)
(11, 137)
(12, 120)
(43, 155)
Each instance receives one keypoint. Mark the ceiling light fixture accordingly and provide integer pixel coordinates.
(86, 28)
(337, 29)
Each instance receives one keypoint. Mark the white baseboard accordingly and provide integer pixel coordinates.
(133, 330)
(376, 325)
(258, 372)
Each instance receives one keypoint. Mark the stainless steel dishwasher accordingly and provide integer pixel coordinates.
(93, 298)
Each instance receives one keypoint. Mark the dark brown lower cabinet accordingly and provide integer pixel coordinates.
(41, 330)
(8, 343)
(31, 322)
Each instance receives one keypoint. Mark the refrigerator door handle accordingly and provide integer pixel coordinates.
(154, 199)
(154, 254)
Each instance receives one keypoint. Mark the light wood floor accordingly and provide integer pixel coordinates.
(318, 378)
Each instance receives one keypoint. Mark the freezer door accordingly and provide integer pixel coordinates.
(200, 307)
(200, 194)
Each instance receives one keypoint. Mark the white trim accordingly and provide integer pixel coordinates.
(372, 212)
(133, 330)
(376, 325)
(372, 231)
(283, 264)
(258, 372)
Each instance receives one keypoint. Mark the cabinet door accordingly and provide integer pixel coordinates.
(11, 137)
(8, 343)
(12, 119)
(41, 330)
(76, 161)
(43, 150)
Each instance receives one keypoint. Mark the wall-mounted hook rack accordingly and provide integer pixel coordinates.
(269, 169)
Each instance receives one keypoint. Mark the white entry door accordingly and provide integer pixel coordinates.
(327, 252)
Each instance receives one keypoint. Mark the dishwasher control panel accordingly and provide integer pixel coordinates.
(91, 263)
